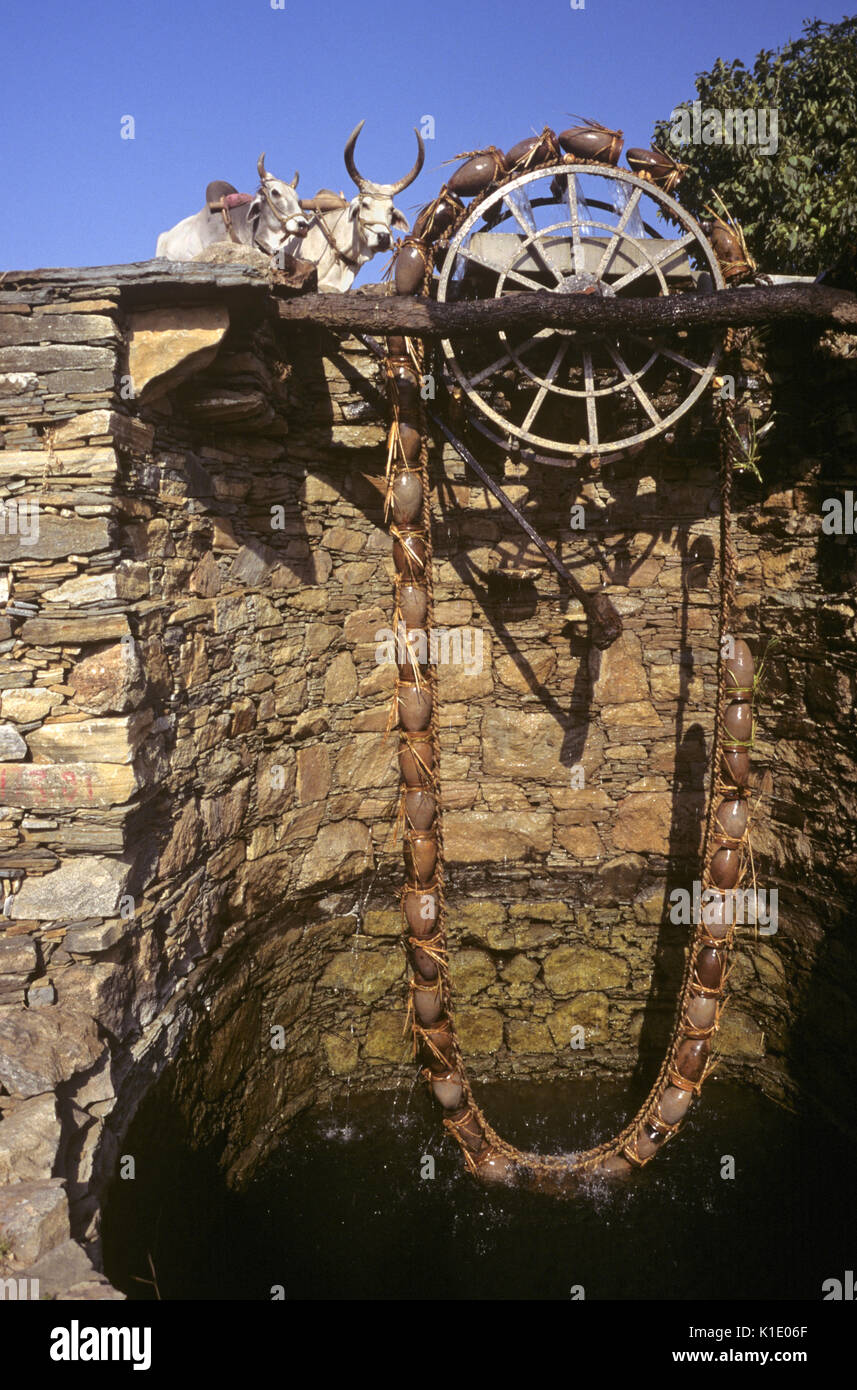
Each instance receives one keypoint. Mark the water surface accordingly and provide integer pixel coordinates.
(342, 1211)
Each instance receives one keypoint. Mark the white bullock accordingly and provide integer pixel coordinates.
(344, 238)
(273, 217)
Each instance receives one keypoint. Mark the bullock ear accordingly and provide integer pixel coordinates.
(254, 210)
(353, 208)
(400, 221)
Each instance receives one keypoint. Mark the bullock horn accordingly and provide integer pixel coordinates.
(260, 165)
(353, 171)
(401, 184)
(294, 182)
(391, 188)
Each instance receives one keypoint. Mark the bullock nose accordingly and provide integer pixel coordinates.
(384, 241)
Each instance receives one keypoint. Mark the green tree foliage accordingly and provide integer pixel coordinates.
(798, 206)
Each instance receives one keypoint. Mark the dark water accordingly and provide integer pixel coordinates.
(342, 1212)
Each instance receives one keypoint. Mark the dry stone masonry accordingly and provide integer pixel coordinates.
(198, 798)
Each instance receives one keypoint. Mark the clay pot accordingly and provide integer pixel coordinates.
(414, 707)
(409, 553)
(403, 386)
(738, 720)
(467, 1128)
(441, 1036)
(673, 1104)
(740, 669)
(663, 170)
(401, 375)
(414, 775)
(396, 346)
(416, 651)
(411, 262)
(533, 152)
(407, 497)
(615, 1167)
(420, 854)
(420, 809)
(725, 867)
(428, 1005)
(647, 1141)
(410, 440)
(448, 1091)
(735, 766)
(407, 399)
(421, 914)
(709, 968)
(436, 218)
(592, 142)
(732, 817)
(727, 247)
(691, 1057)
(701, 1011)
(715, 916)
(477, 174)
(493, 1167)
(423, 963)
(413, 604)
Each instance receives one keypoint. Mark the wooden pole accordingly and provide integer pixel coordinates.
(529, 312)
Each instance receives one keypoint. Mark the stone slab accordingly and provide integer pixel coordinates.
(34, 1218)
(86, 885)
(40, 1048)
(57, 785)
(55, 538)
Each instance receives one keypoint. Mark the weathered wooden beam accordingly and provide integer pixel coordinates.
(427, 319)
(369, 310)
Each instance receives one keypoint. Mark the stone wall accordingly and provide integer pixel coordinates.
(198, 835)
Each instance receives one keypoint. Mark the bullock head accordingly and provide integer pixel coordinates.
(373, 207)
(275, 213)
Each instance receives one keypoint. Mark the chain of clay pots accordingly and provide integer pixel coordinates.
(687, 1063)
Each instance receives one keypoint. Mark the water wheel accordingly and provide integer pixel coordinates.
(564, 394)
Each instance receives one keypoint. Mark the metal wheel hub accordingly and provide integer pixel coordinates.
(585, 283)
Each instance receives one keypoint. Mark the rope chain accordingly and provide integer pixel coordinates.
(624, 1143)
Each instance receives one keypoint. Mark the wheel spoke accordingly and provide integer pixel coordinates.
(591, 409)
(545, 387)
(510, 274)
(665, 254)
(507, 357)
(574, 218)
(533, 241)
(634, 384)
(670, 353)
(525, 219)
(609, 249)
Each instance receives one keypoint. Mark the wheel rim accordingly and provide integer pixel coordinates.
(588, 371)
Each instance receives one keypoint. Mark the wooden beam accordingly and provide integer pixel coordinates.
(370, 310)
(425, 318)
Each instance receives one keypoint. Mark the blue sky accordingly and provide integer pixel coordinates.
(210, 83)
